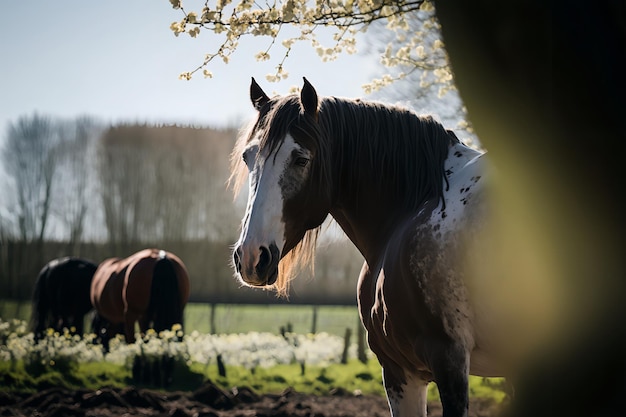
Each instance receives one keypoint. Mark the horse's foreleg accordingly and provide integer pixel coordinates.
(408, 399)
(42, 322)
(144, 324)
(450, 367)
(79, 324)
(58, 322)
(129, 326)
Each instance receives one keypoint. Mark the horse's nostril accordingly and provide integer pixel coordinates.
(265, 258)
(237, 259)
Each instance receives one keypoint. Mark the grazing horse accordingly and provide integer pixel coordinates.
(150, 287)
(61, 296)
(410, 196)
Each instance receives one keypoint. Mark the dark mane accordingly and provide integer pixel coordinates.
(408, 150)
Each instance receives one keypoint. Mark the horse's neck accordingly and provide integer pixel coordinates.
(370, 221)
(366, 237)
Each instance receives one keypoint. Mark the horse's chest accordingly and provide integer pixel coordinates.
(418, 293)
(415, 296)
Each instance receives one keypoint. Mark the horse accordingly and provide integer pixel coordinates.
(61, 296)
(150, 287)
(411, 197)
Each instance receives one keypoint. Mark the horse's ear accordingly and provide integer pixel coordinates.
(257, 95)
(308, 98)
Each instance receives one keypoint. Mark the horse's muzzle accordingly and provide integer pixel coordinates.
(257, 266)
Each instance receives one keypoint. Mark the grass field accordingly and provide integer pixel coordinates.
(270, 318)
(236, 318)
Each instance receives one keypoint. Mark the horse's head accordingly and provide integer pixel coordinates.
(284, 157)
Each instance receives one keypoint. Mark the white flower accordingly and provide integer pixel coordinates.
(249, 350)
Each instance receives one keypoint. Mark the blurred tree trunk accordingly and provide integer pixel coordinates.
(544, 86)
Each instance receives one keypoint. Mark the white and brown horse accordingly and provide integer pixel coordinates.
(410, 196)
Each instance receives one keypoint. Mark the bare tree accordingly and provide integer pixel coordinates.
(30, 161)
(178, 175)
(122, 173)
(166, 183)
(76, 159)
(217, 215)
(29, 158)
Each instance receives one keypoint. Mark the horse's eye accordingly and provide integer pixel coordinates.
(301, 162)
(247, 158)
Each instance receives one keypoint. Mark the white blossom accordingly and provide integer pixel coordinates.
(249, 350)
(231, 21)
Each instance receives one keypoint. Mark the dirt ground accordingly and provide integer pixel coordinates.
(207, 401)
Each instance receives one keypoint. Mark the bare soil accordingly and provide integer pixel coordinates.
(207, 401)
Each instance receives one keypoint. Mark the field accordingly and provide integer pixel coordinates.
(233, 318)
(299, 370)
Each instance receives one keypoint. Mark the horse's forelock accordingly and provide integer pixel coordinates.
(238, 169)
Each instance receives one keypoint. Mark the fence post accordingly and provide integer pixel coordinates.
(212, 319)
(361, 344)
(314, 324)
(346, 346)
(221, 367)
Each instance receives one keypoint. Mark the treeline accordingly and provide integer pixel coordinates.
(83, 189)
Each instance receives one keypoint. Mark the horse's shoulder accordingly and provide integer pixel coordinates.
(411, 241)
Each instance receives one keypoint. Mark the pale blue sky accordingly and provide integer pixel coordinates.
(118, 61)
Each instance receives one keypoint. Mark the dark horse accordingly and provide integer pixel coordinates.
(411, 197)
(61, 295)
(150, 287)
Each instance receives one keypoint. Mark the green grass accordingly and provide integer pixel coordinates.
(236, 318)
(232, 318)
(17, 377)
(314, 380)
(317, 380)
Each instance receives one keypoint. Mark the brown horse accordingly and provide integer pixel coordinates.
(412, 199)
(150, 287)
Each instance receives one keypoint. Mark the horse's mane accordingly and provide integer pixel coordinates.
(407, 150)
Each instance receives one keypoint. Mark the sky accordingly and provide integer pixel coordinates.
(118, 61)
